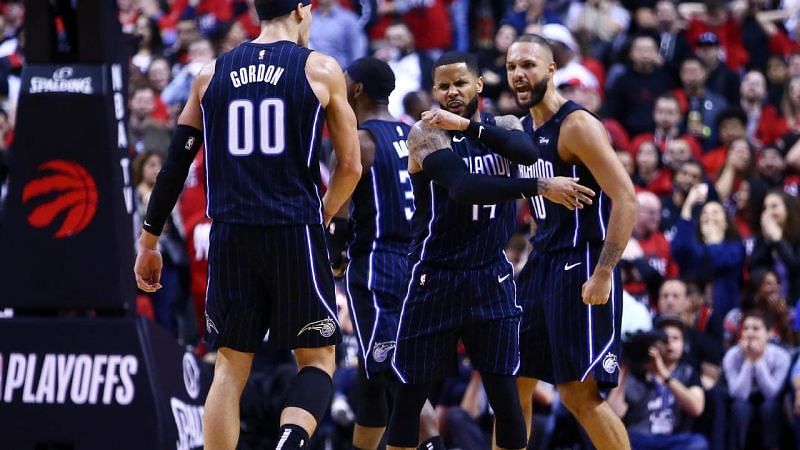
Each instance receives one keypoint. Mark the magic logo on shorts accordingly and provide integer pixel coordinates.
(326, 327)
(381, 350)
(610, 363)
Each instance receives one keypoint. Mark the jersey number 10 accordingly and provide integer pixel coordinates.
(241, 134)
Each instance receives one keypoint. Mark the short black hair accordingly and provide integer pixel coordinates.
(732, 113)
(694, 58)
(458, 57)
(375, 75)
(536, 39)
(272, 9)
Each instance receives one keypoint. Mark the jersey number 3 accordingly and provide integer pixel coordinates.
(241, 124)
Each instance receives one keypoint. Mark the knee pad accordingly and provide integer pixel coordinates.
(312, 391)
(404, 424)
(510, 429)
(373, 408)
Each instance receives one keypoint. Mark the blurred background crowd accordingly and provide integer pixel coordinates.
(701, 101)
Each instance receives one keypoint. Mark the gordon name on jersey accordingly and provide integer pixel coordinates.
(256, 73)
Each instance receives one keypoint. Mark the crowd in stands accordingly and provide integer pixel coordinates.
(701, 101)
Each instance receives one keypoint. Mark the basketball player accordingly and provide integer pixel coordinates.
(570, 286)
(261, 109)
(378, 244)
(461, 285)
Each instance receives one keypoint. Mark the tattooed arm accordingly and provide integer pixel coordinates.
(507, 138)
(429, 150)
(585, 140)
(424, 139)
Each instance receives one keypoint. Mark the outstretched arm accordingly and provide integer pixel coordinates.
(585, 139)
(430, 150)
(507, 138)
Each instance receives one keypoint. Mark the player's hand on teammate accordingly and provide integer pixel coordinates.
(148, 269)
(445, 120)
(597, 288)
(565, 191)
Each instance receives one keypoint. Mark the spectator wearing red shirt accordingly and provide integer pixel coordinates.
(668, 118)
(647, 260)
(428, 20)
(731, 125)
(717, 19)
(764, 124)
(649, 174)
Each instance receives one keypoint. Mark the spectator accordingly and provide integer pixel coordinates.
(777, 76)
(199, 54)
(764, 294)
(650, 175)
(721, 79)
(631, 97)
(529, 12)
(597, 22)
(658, 404)
(592, 99)
(647, 258)
(755, 370)
(714, 16)
(492, 63)
(668, 118)
(150, 44)
(772, 174)
(732, 125)
(739, 166)
(145, 129)
(764, 126)
(678, 151)
(684, 179)
(158, 74)
(413, 70)
(702, 105)
(708, 249)
(790, 103)
(673, 45)
(794, 379)
(566, 55)
(187, 32)
(336, 32)
(777, 248)
(235, 35)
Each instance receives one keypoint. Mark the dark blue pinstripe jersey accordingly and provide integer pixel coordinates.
(383, 201)
(460, 235)
(558, 228)
(262, 127)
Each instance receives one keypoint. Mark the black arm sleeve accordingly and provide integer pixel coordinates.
(182, 149)
(513, 144)
(448, 170)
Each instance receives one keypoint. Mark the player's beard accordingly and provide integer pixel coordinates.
(471, 108)
(538, 91)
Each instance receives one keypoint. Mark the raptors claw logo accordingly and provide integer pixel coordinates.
(76, 195)
(326, 327)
